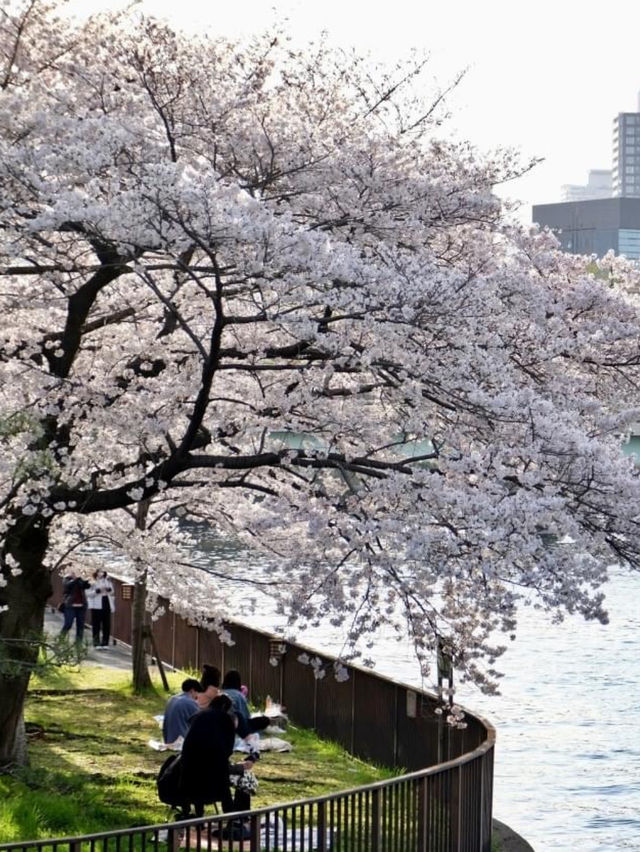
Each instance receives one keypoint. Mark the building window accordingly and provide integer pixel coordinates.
(629, 243)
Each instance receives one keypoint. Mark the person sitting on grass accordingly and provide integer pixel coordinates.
(179, 710)
(210, 680)
(247, 724)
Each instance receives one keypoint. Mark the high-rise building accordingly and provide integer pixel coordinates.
(626, 154)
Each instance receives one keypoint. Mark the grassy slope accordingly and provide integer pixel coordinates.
(91, 768)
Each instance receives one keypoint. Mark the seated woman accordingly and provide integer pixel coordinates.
(247, 724)
(210, 682)
(204, 763)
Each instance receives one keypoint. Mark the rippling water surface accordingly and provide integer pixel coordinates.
(568, 755)
(567, 771)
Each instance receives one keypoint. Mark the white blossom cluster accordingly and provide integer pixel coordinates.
(250, 286)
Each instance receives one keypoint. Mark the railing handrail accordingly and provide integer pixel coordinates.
(258, 812)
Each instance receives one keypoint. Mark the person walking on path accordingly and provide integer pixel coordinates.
(101, 600)
(75, 603)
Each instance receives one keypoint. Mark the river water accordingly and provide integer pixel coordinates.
(567, 774)
(567, 769)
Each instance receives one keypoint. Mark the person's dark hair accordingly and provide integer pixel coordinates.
(191, 683)
(221, 703)
(232, 680)
(210, 676)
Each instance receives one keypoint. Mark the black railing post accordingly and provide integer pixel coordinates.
(254, 833)
(174, 836)
(376, 833)
(321, 821)
(486, 799)
(455, 808)
(423, 814)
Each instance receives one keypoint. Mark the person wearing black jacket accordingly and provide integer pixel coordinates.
(75, 603)
(204, 761)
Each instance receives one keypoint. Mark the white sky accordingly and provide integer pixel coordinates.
(544, 77)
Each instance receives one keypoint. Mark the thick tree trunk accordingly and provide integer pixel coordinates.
(21, 625)
(139, 636)
(139, 619)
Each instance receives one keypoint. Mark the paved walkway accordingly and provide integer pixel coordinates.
(116, 656)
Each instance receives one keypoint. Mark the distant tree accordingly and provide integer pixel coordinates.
(249, 281)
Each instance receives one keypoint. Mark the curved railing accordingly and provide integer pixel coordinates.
(445, 807)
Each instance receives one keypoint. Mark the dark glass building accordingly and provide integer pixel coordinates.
(595, 226)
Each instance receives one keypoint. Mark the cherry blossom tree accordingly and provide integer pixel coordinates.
(258, 285)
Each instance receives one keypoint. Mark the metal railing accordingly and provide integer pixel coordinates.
(443, 808)
(422, 812)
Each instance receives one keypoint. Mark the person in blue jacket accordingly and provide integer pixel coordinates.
(247, 724)
(179, 710)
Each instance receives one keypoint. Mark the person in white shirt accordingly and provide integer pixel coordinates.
(101, 601)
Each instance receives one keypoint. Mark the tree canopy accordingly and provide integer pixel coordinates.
(257, 285)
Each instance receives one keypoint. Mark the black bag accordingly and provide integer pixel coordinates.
(61, 606)
(168, 781)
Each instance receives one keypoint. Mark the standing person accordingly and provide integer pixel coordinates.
(75, 603)
(179, 710)
(101, 601)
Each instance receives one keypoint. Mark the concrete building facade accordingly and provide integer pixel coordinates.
(594, 226)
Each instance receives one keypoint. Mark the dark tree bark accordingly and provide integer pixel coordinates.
(140, 636)
(139, 619)
(21, 628)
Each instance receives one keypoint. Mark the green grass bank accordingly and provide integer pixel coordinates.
(91, 769)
